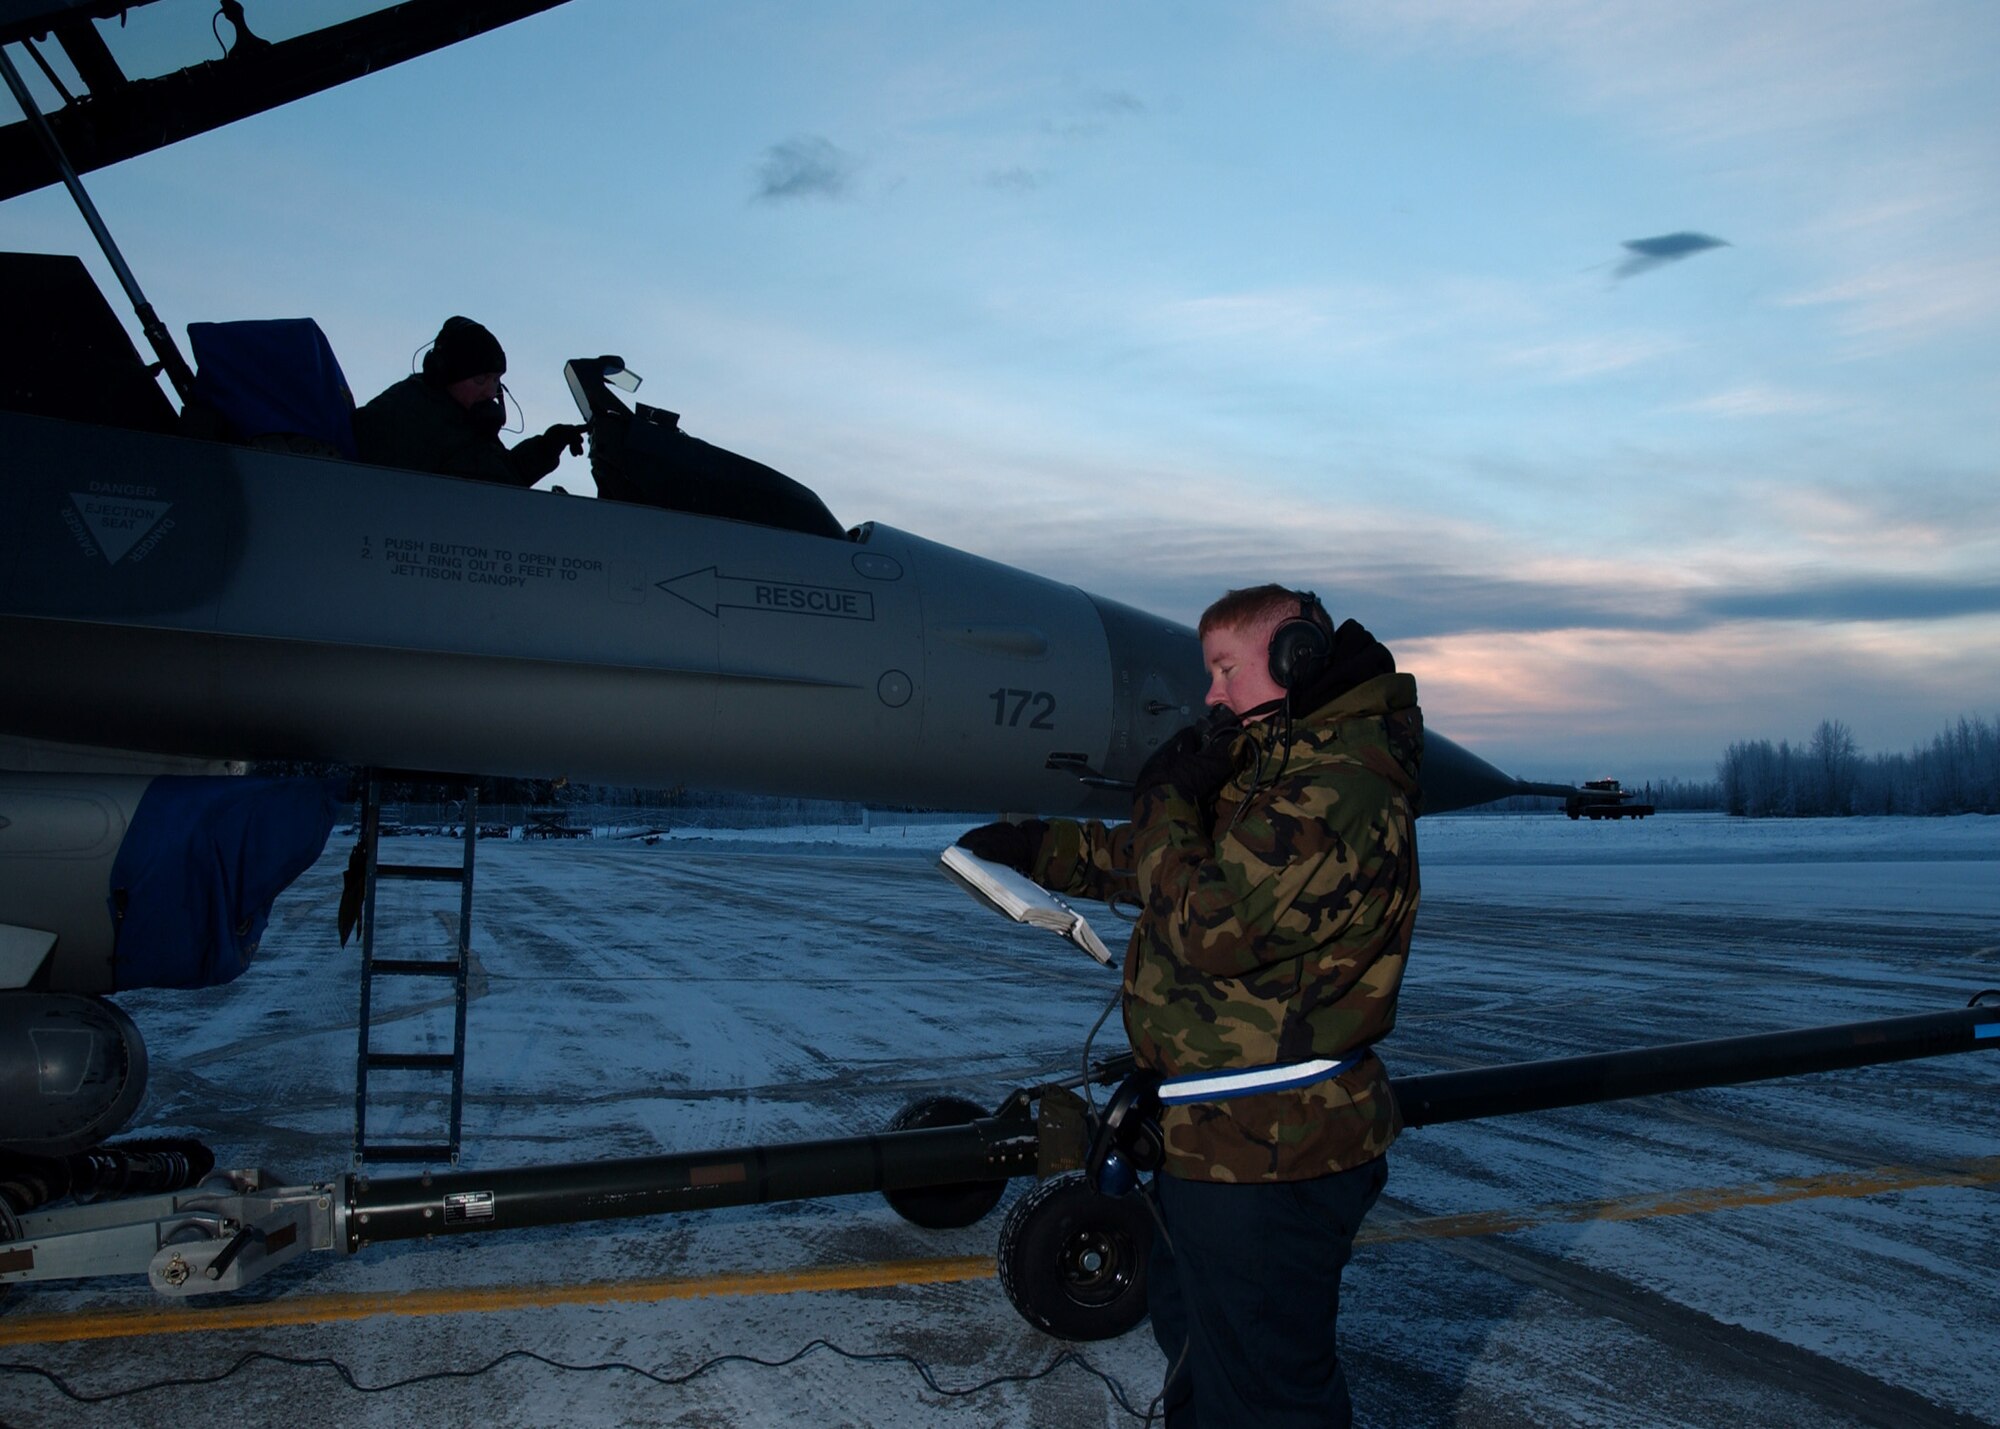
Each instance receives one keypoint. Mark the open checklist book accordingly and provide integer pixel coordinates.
(1022, 899)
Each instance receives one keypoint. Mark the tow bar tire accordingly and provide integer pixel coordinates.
(943, 1208)
(1073, 1260)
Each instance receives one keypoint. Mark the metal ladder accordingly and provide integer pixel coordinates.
(370, 1059)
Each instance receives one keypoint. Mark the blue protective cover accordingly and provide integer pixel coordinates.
(204, 859)
(278, 376)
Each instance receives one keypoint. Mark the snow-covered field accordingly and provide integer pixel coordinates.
(738, 987)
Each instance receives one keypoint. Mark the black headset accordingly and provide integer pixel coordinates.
(1127, 1142)
(1300, 646)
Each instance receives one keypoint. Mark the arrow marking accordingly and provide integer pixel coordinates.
(709, 591)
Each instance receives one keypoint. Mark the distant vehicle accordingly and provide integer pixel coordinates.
(1604, 799)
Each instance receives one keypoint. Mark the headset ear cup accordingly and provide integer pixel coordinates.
(1128, 1137)
(1148, 1147)
(1297, 647)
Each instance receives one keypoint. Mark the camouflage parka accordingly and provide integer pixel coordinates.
(1274, 931)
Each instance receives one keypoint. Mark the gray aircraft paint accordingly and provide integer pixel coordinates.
(190, 598)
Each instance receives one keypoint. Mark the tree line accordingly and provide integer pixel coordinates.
(1957, 772)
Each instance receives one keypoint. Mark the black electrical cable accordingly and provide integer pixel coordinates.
(1089, 1096)
(243, 1361)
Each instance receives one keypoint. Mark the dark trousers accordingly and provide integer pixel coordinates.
(1244, 1288)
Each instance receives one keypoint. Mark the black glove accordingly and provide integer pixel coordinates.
(1012, 844)
(1195, 763)
(566, 434)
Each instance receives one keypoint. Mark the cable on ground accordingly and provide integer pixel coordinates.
(924, 1371)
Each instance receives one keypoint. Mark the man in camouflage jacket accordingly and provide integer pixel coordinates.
(1276, 866)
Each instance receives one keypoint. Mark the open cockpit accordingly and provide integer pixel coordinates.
(276, 384)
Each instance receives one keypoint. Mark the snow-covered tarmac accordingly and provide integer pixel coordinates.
(1818, 1252)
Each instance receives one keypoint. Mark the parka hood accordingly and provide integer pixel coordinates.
(1376, 723)
(1354, 657)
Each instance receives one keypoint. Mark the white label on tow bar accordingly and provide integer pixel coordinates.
(468, 1206)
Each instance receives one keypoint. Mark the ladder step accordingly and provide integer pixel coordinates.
(411, 1151)
(413, 967)
(381, 873)
(435, 872)
(411, 1061)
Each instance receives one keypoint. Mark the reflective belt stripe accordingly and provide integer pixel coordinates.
(1218, 1086)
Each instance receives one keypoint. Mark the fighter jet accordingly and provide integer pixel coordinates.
(183, 586)
(169, 603)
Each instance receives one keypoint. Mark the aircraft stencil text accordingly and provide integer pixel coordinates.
(810, 598)
(456, 561)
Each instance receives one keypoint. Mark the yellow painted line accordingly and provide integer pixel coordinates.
(199, 1315)
(202, 1315)
(1876, 1181)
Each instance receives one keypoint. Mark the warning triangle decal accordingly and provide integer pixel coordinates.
(118, 523)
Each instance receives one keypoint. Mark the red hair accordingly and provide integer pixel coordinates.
(1251, 607)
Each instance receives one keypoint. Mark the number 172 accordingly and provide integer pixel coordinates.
(1010, 705)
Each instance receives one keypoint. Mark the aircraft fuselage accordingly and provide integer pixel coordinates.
(191, 598)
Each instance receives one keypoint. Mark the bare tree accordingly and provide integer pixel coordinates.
(1833, 755)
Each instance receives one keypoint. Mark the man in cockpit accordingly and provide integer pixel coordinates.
(1273, 855)
(447, 417)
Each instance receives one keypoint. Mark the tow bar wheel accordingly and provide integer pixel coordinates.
(1073, 1261)
(943, 1208)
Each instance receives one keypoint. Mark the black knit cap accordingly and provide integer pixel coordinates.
(463, 349)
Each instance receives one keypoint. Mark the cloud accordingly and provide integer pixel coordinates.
(1672, 708)
(1864, 599)
(1890, 304)
(1781, 71)
(1094, 112)
(1864, 128)
(1017, 178)
(1403, 591)
(1427, 601)
(1650, 253)
(1757, 400)
(1576, 359)
(805, 167)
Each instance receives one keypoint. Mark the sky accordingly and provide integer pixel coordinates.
(1630, 369)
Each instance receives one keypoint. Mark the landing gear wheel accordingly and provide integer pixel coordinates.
(1073, 1261)
(943, 1208)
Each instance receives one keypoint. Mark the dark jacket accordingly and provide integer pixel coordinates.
(419, 427)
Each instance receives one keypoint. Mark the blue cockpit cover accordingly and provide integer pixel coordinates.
(204, 859)
(274, 377)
